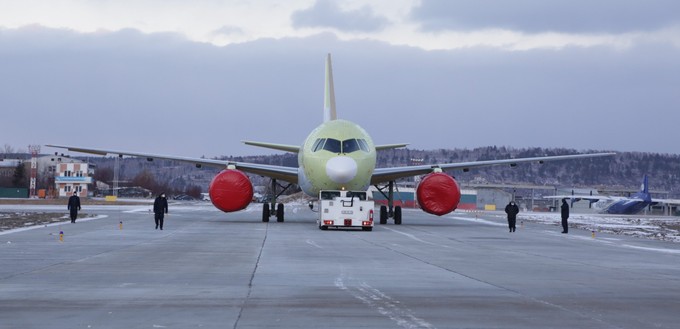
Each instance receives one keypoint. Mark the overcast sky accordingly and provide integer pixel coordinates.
(194, 78)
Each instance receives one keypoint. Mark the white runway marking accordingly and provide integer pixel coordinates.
(413, 237)
(310, 242)
(384, 304)
(131, 211)
(478, 220)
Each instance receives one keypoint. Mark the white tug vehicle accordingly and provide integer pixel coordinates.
(344, 209)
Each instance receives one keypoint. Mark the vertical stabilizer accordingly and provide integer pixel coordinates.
(329, 94)
(644, 188)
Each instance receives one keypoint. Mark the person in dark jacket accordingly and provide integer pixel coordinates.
(565, 216)
(74, 206)
(512, 210)
(160, 208)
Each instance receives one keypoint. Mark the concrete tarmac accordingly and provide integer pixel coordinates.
(208, 269)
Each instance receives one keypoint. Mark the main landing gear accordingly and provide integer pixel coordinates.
(272, 208)
(389, 211)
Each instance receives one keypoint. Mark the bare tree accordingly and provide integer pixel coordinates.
(146, 180)
(8, 149)
(104, 174)
(193, 191)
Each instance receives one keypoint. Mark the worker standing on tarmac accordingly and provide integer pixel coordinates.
(73, 206)
(512, 210)
(565, 216)
(160, 208)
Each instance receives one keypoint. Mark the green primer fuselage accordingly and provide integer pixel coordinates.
(312, 173)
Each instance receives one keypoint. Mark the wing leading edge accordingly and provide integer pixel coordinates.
(288, 174)
(381, 175)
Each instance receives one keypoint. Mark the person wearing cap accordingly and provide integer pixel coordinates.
(74, 206)
(160, 208)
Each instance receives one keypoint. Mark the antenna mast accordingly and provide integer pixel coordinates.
(34, 149)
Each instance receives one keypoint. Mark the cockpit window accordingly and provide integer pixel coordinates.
(350, 145)
(363, 144)
(335, 146)
(318, 144)
(332, 145)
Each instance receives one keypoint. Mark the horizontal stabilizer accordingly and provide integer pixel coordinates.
(280, 147)
(389, 146)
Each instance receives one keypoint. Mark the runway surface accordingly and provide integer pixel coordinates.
(208, 269)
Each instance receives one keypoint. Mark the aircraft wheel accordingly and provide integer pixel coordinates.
(397, 215)
(265, 212)
(383, 215)
(279, 213)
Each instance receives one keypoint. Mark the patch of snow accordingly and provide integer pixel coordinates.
(664, 228)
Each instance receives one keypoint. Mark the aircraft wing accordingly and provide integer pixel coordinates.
(610, 198)
(381, 175)
(288, 174)
(593, 198)
(666, 201)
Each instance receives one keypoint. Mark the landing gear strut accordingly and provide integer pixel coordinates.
(271, 208)
(389, 211)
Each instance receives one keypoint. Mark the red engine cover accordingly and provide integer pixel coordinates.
(438, 194)
(230, 190)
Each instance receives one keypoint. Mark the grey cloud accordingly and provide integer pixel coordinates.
(167, 95)
(228, 30)
(572, 16)
(325, 13)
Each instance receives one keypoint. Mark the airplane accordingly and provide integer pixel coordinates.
(621, 205)
(336, 155)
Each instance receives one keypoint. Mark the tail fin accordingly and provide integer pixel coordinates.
(329, 94)
(644, 188)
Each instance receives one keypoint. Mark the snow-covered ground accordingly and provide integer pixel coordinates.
(665, 228)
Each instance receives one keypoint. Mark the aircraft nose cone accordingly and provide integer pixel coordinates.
(341, 169)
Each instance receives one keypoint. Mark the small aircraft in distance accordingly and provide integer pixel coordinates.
(336, 155)
(621, 205)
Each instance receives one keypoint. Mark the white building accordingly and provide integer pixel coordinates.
(71, 177)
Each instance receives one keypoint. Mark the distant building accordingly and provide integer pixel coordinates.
(71, 177)
(491, 198)
(58, 174)
(8, 166)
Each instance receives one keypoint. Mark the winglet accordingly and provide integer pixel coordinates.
(329, 94)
